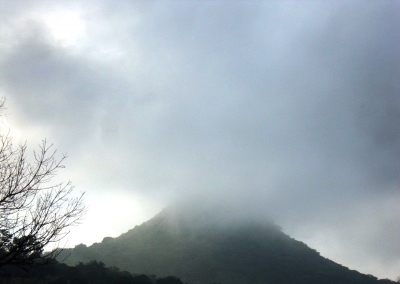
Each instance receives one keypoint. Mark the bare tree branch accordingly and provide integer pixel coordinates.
(34, 212)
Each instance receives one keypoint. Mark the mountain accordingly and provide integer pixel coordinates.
(198, 249)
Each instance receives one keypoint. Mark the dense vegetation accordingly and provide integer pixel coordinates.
(249, 253)
(93, 272)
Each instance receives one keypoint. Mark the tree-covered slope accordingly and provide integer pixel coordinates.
(93, 272)
(206, 252)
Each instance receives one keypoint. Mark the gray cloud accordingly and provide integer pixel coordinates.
(282, 109)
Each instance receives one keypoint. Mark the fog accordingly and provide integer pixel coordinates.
(279, 110)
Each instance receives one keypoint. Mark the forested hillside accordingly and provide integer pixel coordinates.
(93, 272)
(208, 253)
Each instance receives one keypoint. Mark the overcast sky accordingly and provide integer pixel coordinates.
(269, 109)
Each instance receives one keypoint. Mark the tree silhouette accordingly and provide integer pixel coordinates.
(169, 280)
(34, 211)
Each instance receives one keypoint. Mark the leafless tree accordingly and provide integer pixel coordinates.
(35, 212)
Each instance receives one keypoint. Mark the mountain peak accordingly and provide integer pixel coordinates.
(201, 249)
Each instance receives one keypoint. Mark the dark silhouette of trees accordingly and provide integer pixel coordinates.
(141, 279)
(169, 280)
(87, 273)
(35, 212)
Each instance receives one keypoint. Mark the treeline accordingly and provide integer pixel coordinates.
(93, 272)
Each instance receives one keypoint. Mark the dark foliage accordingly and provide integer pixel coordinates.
(85, 273)
(169, 280)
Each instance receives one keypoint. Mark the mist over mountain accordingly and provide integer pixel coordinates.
(199, 248)
(285, 109)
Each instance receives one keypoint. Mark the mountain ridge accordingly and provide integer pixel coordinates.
(213, 251)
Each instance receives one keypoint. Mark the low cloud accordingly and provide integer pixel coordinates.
(287, 110)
